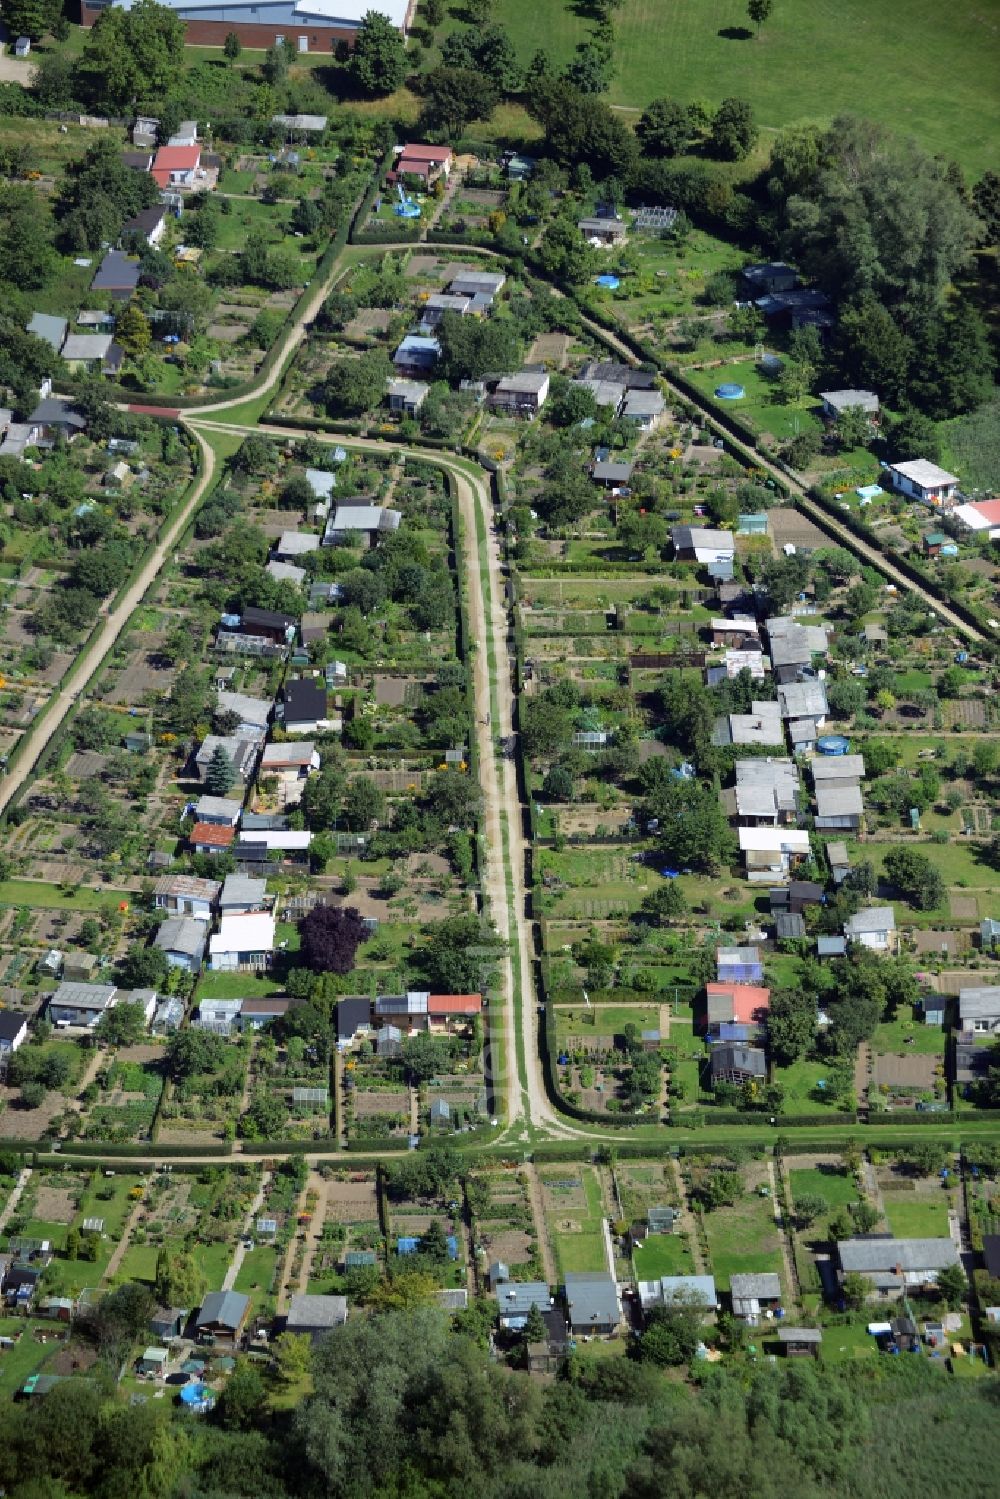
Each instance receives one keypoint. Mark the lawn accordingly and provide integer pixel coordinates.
(213, 1260)
(916, 1217)
(139, 1263)
(743, 1239)
(762, 407)
(580, 1248)
(256, 1276)
(811, 62)
(902, 1035)
(662, 1254)
(844, 1344)
(51, 897)
(799, 1082)
(237, 986)
(835, 1185)
(17, 1363)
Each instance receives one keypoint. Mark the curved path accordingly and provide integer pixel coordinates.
(92, 657)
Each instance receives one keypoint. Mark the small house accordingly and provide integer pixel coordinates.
(523, 394)
(242, 894)
(178, 167)
(874, 927)
(603, 231)
(182, 941)
(80, 1004)
(515, 1300)
(348, 521)
(416, 355)
(168, 1322)
(407, 396)
(643, 408)
(118, 275)
(154, 1362)
(222, 1318)
(772, 853)
(47, 327)
(674, 1290)
(13, 1033)
(292, 545)
(148, 226)
(185, 895)
(733, 1062)
(315, 1316)
(354, 1019)
(212, 837)
(700, 544)
(925, 482)
(243, 944)
(304, 706)
(612, 475)
(979, 1009)
(800, 1342)
(894, 1266)
(241, 753)
(223, 811)
(593, 1304)
(772, 276)
(753, 1294)
(425, 162)
(836, 402)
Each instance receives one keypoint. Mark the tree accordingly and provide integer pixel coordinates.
(120, 1318)
(664, 128)
(734, 133)
(558, 785)
(378, 62)
(232, 46)
(846, 697)
(31, 18)
(791, 1024)
(143, 967)
(809, 1207)
(928, 1158)
(221, 773)
(180, 1280)
(33, 1094)
(293, 1356)
(546, 726)
(329, 938)
(460, 956)
(322, 795)
(455, 96)
(986, 201)
(26, 256)
(759, 11)
(864, 1216)
(664, 904)
(242, 1399)
(581, 129)
(190, 1052)
(693, 831)
(854, 427)
(952, 1286)
(914, 874)
(880, 221)
(564, 253)
(256, 455)
(132, 331)
(357, 385)
(124, 1025)
(364, 804)
(855, 1289)
(672, 1333)
(264, 1119)
(132, 53)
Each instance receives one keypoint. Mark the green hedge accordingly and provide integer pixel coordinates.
(149, 1151)
(394, 1142)
(912, 1116)
(323, 1145)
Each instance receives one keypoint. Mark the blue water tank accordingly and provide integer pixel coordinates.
(833, 744)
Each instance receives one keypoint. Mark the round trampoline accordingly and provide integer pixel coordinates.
(833, 744)
(610, 283)
(730, 392)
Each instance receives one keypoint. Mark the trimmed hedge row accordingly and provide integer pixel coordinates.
(289, 1147)
(140, 1152)
(394, 1142)
(700, 1118)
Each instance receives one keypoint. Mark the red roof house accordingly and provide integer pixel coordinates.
(209, 837)
(454, 1004)
(176, 166)
(426, 162)
(742, 1004)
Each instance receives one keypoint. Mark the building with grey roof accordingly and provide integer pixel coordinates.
(348, 520)
(50, 329)
(892, 1266)
(254, 713)
(762, 725)
(242, 892)
(223, 810)
(516, 1298)
(407, 396)
(752, 1294)
(80, 1004)
(182, 940)
(592, 1302)
(874, 927)
(733, 1062)
(836, 402)
(315, 1316)
(670, 1290)
(222, 1317)
(803, 700)
(766, 792)
(837, 770)
(610, 473)
(839, 807)
(979, 1009)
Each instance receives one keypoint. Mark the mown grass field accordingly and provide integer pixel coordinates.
(922, 68)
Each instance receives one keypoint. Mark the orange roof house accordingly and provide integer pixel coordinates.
(742, 1004)
(454, 1004)
(208, 836)
(175, 166)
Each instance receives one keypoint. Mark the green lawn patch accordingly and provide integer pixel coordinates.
(214, 1261)
(237, 986)
(743, 1239)
(25, 1358)
(138, 1263)
(800, 1084)
(837, 1186)
(916, 1217)
(903, 1035)
(662, 1254)
(256, 1276)
(40, 893)
(810, 62)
